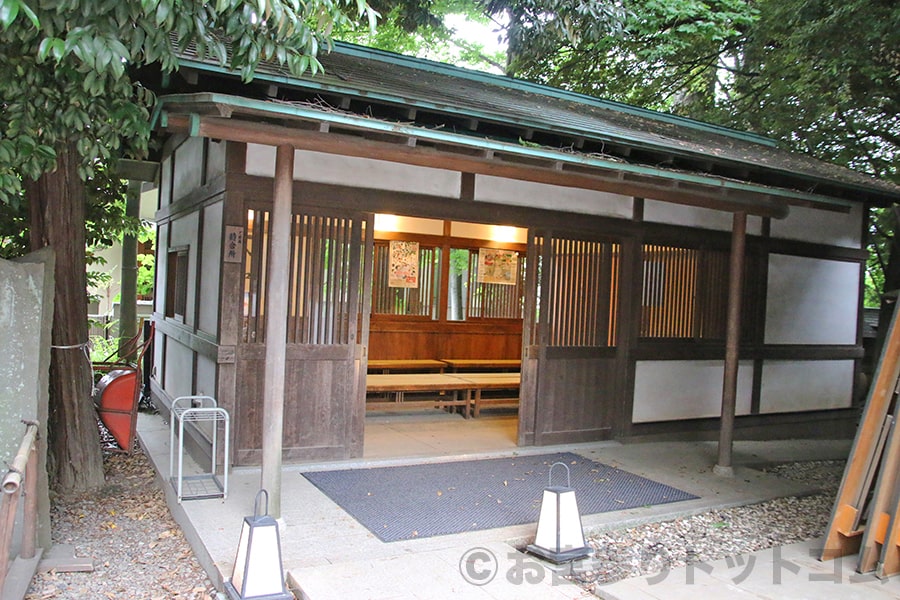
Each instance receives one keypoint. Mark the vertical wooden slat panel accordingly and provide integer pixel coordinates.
(683, 293)
(318, 272)
(308, 300)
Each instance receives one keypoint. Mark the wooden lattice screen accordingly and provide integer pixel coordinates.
(684, 293)
(320, 299)
(584, 291)
(495, 300)
(421, 300)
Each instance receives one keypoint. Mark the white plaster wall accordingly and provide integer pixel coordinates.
(551, 197)
(683, 389)
(811, 301)
(358, 172)
(165, 181)
(157, 348)
(215, 159)
(820, 226)
(188, 167)
(656, 211)
(184, 232)
(206, 376)
(497, 233)
(159, 299)
(162, 267)
(789, 386)
(208, 318)
(396, 223)
(178, 369)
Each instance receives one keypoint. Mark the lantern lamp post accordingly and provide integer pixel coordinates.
(560, 537)
(258, 574)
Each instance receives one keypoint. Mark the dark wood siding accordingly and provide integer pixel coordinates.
(572, 370)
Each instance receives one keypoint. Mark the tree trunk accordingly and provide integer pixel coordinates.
(57, 204)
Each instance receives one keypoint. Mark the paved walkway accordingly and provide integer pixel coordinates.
(782, 573)
(328, 555)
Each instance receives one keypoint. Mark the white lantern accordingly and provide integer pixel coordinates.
(559, 537)
(258, 574)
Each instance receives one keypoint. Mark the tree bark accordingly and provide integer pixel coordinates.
(57, 205)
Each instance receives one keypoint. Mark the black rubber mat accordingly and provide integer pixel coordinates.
(399, 503)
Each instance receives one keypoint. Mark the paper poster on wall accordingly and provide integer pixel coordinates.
(404, 268)
(498, 266)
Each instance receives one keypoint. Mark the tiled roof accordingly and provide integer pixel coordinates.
(391, 86)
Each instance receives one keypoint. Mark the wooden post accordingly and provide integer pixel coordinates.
(276, 328)
(732, 344)
(128, 295)
(30, 517)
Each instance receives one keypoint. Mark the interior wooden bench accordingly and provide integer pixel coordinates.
(403, 365)
(459, 390)
(450, 392)
(482, 364)
(491, 381)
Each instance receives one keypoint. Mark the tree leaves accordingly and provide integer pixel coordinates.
(10, 9)
(80, 54)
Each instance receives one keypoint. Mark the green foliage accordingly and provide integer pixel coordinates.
(146, 265)
(667, 53)
(419, 28)
(105, 219)
(537, 30)
(105, 349)
(14, 222)
(65, 67)
(882, 225)
(782, 68)
(821, 76)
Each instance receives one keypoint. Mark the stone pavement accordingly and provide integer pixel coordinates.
(328, 555)
(782, 573)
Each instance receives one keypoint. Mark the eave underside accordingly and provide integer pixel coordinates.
(275, 124)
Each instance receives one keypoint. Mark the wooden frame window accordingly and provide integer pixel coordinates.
(584, 293)
(480, 287)
(419, 300)
(684, 293)
(177, 283)
(319, 301)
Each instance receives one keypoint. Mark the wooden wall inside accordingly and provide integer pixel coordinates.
(392, 338)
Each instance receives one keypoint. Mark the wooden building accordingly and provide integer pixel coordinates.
(619, 228)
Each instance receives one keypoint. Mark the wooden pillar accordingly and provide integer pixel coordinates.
(128, 295)
(732, 344)
(276, 328)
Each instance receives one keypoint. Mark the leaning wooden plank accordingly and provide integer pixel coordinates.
(844, 532)
(889, 535)
(883, 503)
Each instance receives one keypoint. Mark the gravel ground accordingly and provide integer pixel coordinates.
(139, 552)
(125, 527)
(656, 547)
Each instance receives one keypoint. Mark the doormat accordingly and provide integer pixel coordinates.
(418, 501)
